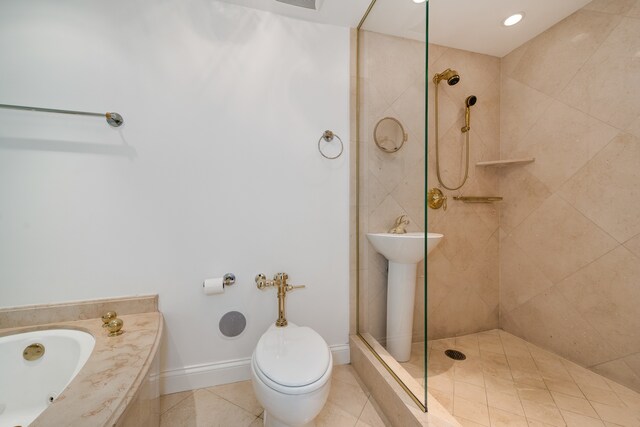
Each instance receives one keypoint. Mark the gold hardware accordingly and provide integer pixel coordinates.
(33, 352)
(477, 199)
(452, 77)
(400, 227)
(108, 317)
(436, 199)
(279, 281)
(114, 326)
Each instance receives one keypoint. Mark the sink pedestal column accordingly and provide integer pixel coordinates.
(401, 291)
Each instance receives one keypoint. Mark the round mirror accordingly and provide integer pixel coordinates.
(389, 135)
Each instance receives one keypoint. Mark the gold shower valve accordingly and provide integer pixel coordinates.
(436, 199)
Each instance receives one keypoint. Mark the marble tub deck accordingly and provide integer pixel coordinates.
(111, 377)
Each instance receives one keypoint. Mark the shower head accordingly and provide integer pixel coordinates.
(451, 76)
(470, 101)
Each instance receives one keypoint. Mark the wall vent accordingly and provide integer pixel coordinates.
(307, 4)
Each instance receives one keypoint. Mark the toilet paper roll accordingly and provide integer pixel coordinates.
(213, 286)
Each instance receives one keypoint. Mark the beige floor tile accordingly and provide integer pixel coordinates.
(543, 412)
(445, 399)
(469, 375)
(506, 402)
(240, 394)
(535, 395)
(470, 392)
(562, 386)
(345, 373)
(471, 410)
(574, 404)
(577, 420)
(168, 401)
(501, 385)
(370, 417)
(258, 422)
(607, 397)
(526, 385)
(618, 415)
(334, 416)
(500, 418)
(468, 423)
(205, 409)
(350, 398)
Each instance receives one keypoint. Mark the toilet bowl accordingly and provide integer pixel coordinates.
(291, 375)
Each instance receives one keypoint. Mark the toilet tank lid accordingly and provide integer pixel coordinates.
(292, 356)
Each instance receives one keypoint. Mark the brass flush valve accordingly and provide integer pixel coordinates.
(280, 282)
(436, 199)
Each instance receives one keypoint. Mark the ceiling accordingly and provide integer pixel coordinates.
(474, 25)
(346, 13)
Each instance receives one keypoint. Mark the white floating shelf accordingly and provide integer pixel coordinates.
(507, 162)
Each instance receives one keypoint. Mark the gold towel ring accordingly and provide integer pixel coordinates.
(328, 137)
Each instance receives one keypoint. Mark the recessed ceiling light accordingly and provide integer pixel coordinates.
(513, 19)
(419, 1)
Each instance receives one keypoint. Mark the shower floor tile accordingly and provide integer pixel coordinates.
(235, 405)
(506, 381)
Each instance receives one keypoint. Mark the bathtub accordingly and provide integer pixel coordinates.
(27, 388)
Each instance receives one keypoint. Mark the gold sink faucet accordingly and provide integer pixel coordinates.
(280, 282)
(400, 226)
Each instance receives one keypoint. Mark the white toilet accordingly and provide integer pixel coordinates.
(291, 375)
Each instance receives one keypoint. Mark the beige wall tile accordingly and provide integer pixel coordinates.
(616, 7)
(521, 279)
(550, 312)
(560, 240)
(553, 58)
(616, 208)
(605, 292)
(615, 61)
(635, 10)
(619, 371)
(562, 141)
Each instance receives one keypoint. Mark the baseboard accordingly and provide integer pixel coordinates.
(230, 371)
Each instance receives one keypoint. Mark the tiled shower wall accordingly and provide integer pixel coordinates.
(570, 248)
(463, 272)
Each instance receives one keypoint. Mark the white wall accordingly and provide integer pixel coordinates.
(216, 169)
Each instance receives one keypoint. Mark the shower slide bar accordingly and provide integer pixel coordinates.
(114, 119)
(477, 199)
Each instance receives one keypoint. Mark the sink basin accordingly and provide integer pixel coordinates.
(404, 252)
(403, 248)
(432, 241)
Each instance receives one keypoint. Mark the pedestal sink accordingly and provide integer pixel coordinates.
(404, 252)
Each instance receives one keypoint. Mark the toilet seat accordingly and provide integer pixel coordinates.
(292, 359)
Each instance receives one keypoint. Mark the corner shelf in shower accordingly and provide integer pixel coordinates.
(506, 162)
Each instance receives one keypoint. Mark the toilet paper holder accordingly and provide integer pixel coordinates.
(228, 279)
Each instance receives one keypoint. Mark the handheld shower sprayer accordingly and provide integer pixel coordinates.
(453, 77)
(468, 103)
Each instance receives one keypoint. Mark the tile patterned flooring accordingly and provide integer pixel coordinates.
(234, 405)
(506, 381)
